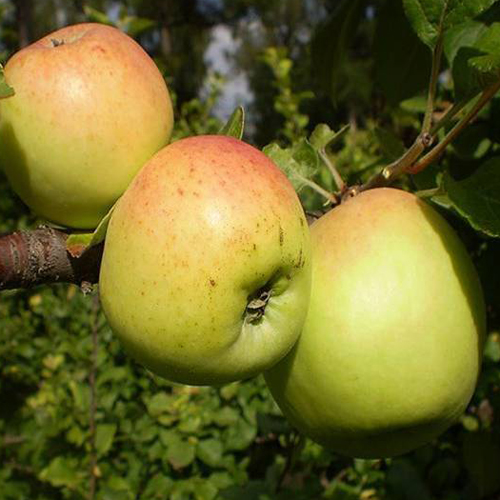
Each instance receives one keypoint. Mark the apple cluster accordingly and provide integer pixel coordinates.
(368, 325)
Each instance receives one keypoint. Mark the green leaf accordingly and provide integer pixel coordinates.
(159, 403)
(180, 453)
(298, 162)
(79, 243)
(492, 347)
(209, 451)
(466, 80)
(226, 417)
(473, 53)
(473, 143)
(61, 472)
(240, 435)
(105, 434)
(5, 89)
(158, 483)
(431, 18)
(462, 35)
(96, 16)
(323, 136)
(135, 26)
(488, 64)
(204, 490)
(392, 147)
(331, 42)
(235, 125)
(402, 69)
(477, 198)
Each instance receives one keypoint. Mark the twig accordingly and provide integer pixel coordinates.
(293, 441)
(11, 440)
(93, 398)
(438, 150)
(395, 169)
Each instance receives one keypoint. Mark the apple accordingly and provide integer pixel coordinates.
(205, 275)
(391, 347)
(90, 108)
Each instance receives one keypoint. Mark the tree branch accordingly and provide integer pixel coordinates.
(30, 258)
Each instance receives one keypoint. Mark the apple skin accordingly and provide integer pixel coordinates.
(207, 223)
(391, 348)
(86, 115)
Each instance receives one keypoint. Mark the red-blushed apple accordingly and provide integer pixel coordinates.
(90, 108)
(391, 347)
(205, 275)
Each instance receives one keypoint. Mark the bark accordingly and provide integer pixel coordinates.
(30, 258)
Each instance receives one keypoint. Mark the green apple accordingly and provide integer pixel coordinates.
(90, 108)
(391, 347)
(205, 275)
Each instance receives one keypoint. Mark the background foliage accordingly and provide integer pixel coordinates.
(80, 419)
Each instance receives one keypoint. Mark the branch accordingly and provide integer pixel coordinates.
(438, 150)
(93, 400)
(30, 258)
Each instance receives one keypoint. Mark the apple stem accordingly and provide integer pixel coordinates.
(330, 197)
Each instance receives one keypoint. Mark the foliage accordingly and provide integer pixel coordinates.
(156, 440)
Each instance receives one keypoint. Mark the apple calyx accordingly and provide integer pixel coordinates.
(56, 43)
(257, 303)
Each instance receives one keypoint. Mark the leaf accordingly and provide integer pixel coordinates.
(60, 472)
(5, 89)
(477, 198)
(105, 434)
(402, 69)
(391, 145)
(473, 54)
(159, 403)
(96, 16)
(298, 162)
(235, 125)
(240, 435)
(135, 26)
(209, 451)
(462, 35)
(473, 143)
(79, 243)
(431, 18)
(488, 64)
(492, 347)
(331, 42)
(466, 80)
(180, 453)
(323, 136)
